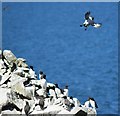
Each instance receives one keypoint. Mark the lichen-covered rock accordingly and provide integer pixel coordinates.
(10, 57)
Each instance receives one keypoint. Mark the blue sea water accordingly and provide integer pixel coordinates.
(48, 35)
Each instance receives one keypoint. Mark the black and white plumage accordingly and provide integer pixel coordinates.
(51, 91)
(27, 108)
(58, 90)
(93, 103)
(40, 74)
(66, 92)
(32, 73)
(87, 103)
(89, 20)
(76, 102)
(43, 82)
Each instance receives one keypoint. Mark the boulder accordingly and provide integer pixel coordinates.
(64, 112)
(53, 109)
(77, 111)
(21, 63)
(18, 87)
(4, 78)
(4, 98)
(18, 103)
(9, 112)
(10, 57)
(15, 79)
(81, 113)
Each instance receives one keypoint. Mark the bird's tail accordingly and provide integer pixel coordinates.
(97, 25)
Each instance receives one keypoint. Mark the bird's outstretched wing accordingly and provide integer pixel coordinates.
(87, 14)
(97, 25)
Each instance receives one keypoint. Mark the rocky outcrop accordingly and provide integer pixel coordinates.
(22, 93)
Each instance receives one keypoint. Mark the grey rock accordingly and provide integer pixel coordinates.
(10, 57)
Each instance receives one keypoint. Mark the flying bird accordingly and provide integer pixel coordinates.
(89, 20)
